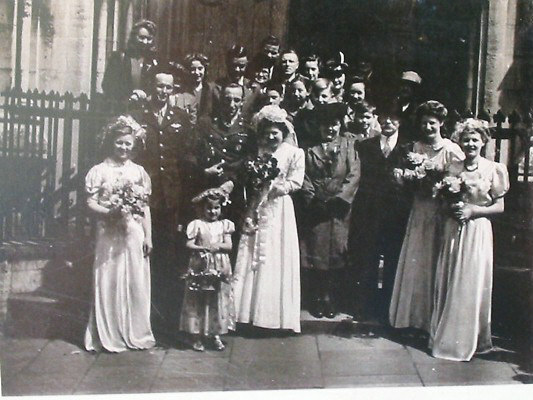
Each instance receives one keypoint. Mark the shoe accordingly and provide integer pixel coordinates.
(217, 343)
(198, 346)
(317, 310)
(330, 311)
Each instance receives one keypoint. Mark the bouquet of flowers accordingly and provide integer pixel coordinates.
(260, 173)
(205, 280)
(419, 171)
(129, 198)
(452, 190)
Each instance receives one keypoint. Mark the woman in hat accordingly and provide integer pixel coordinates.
(332, 174)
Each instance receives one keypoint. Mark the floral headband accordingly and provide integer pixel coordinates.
(272, 113)
(138, 132)
(470, 125)
(222, 192)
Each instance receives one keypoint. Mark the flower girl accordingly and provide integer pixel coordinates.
(208, 302)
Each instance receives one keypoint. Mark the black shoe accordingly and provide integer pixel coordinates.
(317, 309)
(330, 311)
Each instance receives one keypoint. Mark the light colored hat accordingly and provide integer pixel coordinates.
(222, 192)
(411, 76)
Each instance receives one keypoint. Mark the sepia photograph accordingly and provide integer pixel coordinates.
(272, 198)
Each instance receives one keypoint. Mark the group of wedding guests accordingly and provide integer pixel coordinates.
(338, 206)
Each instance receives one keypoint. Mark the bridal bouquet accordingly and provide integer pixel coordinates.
(452, 190)
(259, 173)
(419, 171)
(129, 198)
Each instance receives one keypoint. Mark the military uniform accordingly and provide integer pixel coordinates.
(217, 142)
(166, 156)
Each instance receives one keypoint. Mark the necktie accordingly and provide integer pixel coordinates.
(160, 116)
(386, 149)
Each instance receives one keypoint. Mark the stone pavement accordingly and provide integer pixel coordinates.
(346, 356)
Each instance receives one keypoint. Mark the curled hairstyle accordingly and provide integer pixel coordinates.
(150, 26)
(116, 128)
(471, 125)
(189, 58)
(431, 108)
(263, 124)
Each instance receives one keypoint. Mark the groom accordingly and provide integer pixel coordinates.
(165, 157)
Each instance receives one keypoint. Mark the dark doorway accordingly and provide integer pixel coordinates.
(438, 39)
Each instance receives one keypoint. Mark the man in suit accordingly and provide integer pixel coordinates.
(407, 102)
(166, 158)
(379, 217)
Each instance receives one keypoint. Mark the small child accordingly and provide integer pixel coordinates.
(297, 97)
(363, 124)
(208, 310)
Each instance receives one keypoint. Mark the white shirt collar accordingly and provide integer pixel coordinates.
(391, 141)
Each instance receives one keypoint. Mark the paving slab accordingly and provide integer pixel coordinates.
(367, 362)
(41, 383)
(118, 379)
(194, 366)
(300, 347)
(336, 343)
(273, 373)
(10, 347)
(150, 357)
(371, 381)
(169, 382)
(466, 373)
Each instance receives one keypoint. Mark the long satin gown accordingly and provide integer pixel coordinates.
(120, 313)
(412, 296)
(267, 271)
(460, 323)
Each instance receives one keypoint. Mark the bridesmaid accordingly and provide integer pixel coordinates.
(412, 296)
(460, 325)
(120, 312)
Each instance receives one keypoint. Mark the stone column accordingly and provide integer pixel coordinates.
(498, 81)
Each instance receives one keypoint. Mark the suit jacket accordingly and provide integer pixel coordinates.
(117, 83)
(381, 206)
(167, 155)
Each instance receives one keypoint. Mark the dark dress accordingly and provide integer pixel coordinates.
(119, 82)
(379, 216)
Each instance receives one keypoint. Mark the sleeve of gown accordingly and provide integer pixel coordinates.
(228, 226)
(192, 229)
(146, 181)
(93, 181)
(454, 153)
(500, 181)
(295, 174)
